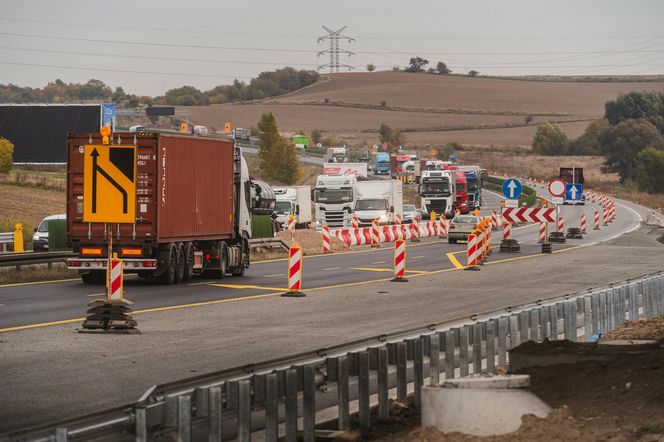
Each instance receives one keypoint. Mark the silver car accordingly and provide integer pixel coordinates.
(409, 213)
(461, 226)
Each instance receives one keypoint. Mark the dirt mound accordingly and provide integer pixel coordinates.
(311, 241)
(641, 329)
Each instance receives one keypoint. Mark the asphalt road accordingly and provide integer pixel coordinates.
(50, 372)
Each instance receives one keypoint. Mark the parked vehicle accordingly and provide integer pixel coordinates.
(410, 212)
(334, 198)
(436, 191)
(137, 128)
(381, 163)
(295, 200)
(573, 175)
(396, 164)
(378, 200)
(461, 194)
(360, 170)
(335, 155)
(194, 202)
(460, 227)
(474, 180)
(200, 130)
(40, 238)
(241, 134)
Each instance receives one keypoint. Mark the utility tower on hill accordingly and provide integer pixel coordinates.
(334, 51)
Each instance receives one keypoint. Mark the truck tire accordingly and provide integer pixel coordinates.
(189, 261)
(180, 266)
(244, 260)
(451, 241)
(94, 277)
(168, 277)
(223, 261)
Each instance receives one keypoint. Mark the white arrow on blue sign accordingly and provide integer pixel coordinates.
(512, 188)
(573, 192)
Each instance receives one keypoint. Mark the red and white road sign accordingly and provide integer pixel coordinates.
(533, 215)
(557, 187)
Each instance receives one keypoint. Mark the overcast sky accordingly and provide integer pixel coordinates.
(150, 46)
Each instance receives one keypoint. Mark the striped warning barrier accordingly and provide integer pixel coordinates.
(398, 218)
(442, 227)
(596, 221)
(561, 224)
(375, 234)
(399, 261)
(612, 212)
(507, 230)
(605, 216)
(494, 220)
(542, 232)
(294, 272)
(583, 223)
(327, 246)
(415, 232)
(115, 280)
(471, 252)
(355, 222)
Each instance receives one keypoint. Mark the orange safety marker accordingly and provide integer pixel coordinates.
(327, 246)
(399, 261)
(294, 272)
(471, 252)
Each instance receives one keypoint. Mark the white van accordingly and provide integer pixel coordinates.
(40, 238)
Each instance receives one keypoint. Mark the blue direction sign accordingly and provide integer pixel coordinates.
(512, 188)
(573, 192)
(107, 115)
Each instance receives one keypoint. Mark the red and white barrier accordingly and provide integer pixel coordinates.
(115, 280)
(355, 222)
(399, 259)
(561, 224)
(397, 219)
(605, 216)
(375, 234)
(442, 227)
(596, 221)
(415, 231)
(612, 211)
(295, 269)
(583, 225)
(494, 220)
(542, 232)
(507, 230)
(327, 245)
(472, 251)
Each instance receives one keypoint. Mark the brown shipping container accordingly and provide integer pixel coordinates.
(184, 189)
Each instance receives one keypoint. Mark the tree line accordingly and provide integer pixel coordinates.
(266, 84)
(630, 137)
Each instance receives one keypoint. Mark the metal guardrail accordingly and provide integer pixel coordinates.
(29, 258)
(268, 243)
(6, 239)
(234, 403)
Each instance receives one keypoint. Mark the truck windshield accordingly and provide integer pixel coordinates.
(472, 185)
(373, 204)
(283, 207)
(460, 188)
(438, 188)
(334, 196)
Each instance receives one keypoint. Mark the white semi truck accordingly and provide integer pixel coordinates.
(437, 192)
(334, 197)
(381, 200)
(295, 200)
(335, 155)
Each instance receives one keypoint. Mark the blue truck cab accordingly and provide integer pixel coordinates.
(474, 180)
(381, 164)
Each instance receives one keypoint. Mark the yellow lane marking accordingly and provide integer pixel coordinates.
(242, 287)
(454, 261)
(18, 284)
(374, 269)
(266, 295)
(275, 275)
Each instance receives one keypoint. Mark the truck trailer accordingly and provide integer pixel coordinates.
(381, 200)
(194, 202)
(474, 179)
(295, 200)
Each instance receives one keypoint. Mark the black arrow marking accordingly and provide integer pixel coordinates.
(96, 168)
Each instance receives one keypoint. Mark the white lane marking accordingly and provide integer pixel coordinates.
(332, 268)
(378, 262)
(2, 305)
(275, 275)
(96, 294)
(417, 257)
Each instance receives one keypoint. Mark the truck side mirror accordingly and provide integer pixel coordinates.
(297, 209)
(391, 209)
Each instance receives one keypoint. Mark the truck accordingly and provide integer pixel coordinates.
(573, 175)
(334, 197)
(301, 141)
(474, 180)
(461, 193)
(436, 192)
(379, 199)
(360, 170)
(241, 134)
(381, 163)
(396, 164)
(335, 155)
(193, 203)
(295, 200)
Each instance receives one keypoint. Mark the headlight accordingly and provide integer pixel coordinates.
(383, 218)
(35, 237)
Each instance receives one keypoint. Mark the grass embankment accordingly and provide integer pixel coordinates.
(496, 184)
(9, 275)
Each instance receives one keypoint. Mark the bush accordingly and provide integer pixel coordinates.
(550, 139)
(6, 155)
(649, 167)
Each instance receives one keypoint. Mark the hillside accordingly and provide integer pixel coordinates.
(431, 109)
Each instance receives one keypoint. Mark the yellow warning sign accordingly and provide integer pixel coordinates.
(227, 128)
(109, 184)
(184, 128)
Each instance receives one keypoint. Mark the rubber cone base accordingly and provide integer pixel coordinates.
(398, 280)
(293, 295)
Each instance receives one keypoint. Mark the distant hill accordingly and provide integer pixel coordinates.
(431, 109)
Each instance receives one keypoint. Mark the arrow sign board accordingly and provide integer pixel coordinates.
(512, 188)
(557, 187)
(573, 192)
(534, 215)
(109, 184)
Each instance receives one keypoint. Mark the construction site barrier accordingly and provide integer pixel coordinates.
(596, 221)
(583, 223)
(399, 261)
(327, 246)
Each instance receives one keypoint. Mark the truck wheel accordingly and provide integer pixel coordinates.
(244, 260)
(223, 261)
(94, 277)
(168, 277)
(451, 241)
(189, 261)
(179, 270)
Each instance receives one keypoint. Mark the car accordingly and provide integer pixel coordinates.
(40, 238)
(461, 226)
(409, 213)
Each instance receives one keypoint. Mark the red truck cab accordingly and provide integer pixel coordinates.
(461, 193)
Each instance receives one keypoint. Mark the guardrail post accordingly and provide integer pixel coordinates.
(477, 348)
(534, 324)
(610, 310)
(309, 404)
(569, 320)
(418, 371)
(553, 320)
(214, 414)
(141, 427)
(622, 296)
(544, 322)
(587, 318)
(61, 435)
(523, 326)
(514, 331)
(463, 351)
(641, 298)
(603, 321)
(271, 408)
(244, 411)
(595, 313)
(291, 404)
(363, 389)
(490, 346)
(502, 342)
(633, 302)
(342, 393)
(660, 296)
(402, 382)
(434, 359)
(383, 388)
(184, 418)
(449, 353)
